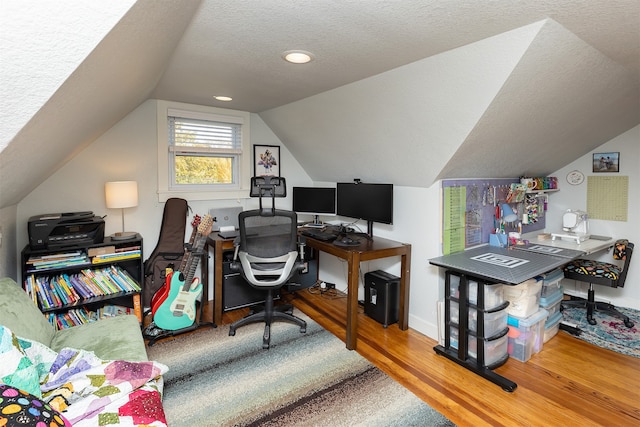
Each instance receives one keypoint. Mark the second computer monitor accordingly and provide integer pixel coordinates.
(314, 201)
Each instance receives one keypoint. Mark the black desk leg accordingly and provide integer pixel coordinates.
(472, 365)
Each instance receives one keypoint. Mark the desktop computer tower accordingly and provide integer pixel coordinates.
(382, 297)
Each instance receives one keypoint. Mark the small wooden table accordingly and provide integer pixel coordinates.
(367, 251)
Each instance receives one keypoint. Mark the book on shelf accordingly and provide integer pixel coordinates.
(116, 256)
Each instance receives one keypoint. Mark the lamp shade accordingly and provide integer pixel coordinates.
(121, 194)
(507, 213)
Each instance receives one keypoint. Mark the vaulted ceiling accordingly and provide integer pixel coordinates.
(402, 91)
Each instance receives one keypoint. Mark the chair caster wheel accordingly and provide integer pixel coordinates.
(265, 346)
(303, 330)
(628, 324)
(232, 333)
(591, 321)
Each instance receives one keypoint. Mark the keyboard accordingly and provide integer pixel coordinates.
(325, 236)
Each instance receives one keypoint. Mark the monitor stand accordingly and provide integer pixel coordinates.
(316, 223)
(370, 230)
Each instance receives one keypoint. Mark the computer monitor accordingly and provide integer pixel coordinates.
(369, 202)
(314, 201)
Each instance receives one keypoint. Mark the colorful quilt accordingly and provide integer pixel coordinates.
(86, 390)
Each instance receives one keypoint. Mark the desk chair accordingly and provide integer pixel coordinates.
(601, 273)
(267, 255)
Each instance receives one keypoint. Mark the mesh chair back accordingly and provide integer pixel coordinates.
(268, 236)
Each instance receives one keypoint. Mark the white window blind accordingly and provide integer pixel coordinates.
(187, 135)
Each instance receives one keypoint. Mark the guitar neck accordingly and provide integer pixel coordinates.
(192, 262)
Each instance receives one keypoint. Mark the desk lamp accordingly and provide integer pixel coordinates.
(121, 195)
(507, 214)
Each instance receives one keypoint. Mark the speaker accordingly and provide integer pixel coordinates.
(382, 297)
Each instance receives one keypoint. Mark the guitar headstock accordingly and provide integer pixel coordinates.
(206, 225)
(196, 221)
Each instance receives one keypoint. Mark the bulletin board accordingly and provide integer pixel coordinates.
(469, 211)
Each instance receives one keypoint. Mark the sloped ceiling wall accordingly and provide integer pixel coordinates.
(549, 111)
(91, 100)
(517, 103)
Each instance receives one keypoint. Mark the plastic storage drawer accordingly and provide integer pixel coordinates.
(494, 321)
(493, 292)
(526, 335)
(495, 348)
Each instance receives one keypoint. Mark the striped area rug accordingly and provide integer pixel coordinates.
(306, 379)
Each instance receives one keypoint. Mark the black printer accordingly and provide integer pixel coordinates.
(57, 230)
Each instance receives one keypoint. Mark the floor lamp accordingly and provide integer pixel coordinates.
(121, 195)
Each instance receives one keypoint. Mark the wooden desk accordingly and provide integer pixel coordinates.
(218, 245)
(367, 251)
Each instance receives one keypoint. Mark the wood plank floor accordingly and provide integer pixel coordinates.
(569, 383)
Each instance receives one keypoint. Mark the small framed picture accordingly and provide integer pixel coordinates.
(606, 162)
(266, 160)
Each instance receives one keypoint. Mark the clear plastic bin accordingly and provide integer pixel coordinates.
(552, 302)
(526, 335)
(551, 282)
(552, 326)
(524, 299)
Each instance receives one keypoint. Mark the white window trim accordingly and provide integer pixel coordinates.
(210, 113)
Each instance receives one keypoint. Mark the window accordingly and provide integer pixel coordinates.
(202, 153)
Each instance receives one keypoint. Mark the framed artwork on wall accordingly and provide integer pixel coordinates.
(606, 162)
(266, 160)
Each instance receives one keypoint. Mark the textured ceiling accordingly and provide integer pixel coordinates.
(234, 48)
(573, 83)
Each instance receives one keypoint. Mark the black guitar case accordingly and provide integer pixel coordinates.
(169, 251)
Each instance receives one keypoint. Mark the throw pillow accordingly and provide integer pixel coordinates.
(19, 408)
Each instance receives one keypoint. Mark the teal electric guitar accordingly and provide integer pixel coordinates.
(178, 311)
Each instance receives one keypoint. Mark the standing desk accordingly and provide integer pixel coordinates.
(501, 265)
(366, 251)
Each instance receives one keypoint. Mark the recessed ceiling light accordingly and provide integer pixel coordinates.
(297, 56)
(223, 98)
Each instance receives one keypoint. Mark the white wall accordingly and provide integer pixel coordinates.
(575, 197)
(128, 151)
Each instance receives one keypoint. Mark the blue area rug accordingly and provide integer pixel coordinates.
(608, 332)
(306, 379)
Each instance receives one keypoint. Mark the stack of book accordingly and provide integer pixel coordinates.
(113, 254)
(81, 315)
(61, 260)
(60, 290)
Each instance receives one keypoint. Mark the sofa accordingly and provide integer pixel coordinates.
(94, 374)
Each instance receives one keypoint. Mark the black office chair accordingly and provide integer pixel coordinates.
(267, 255)
(600, 273)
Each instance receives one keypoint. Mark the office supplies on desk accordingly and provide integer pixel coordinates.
(325, 236)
